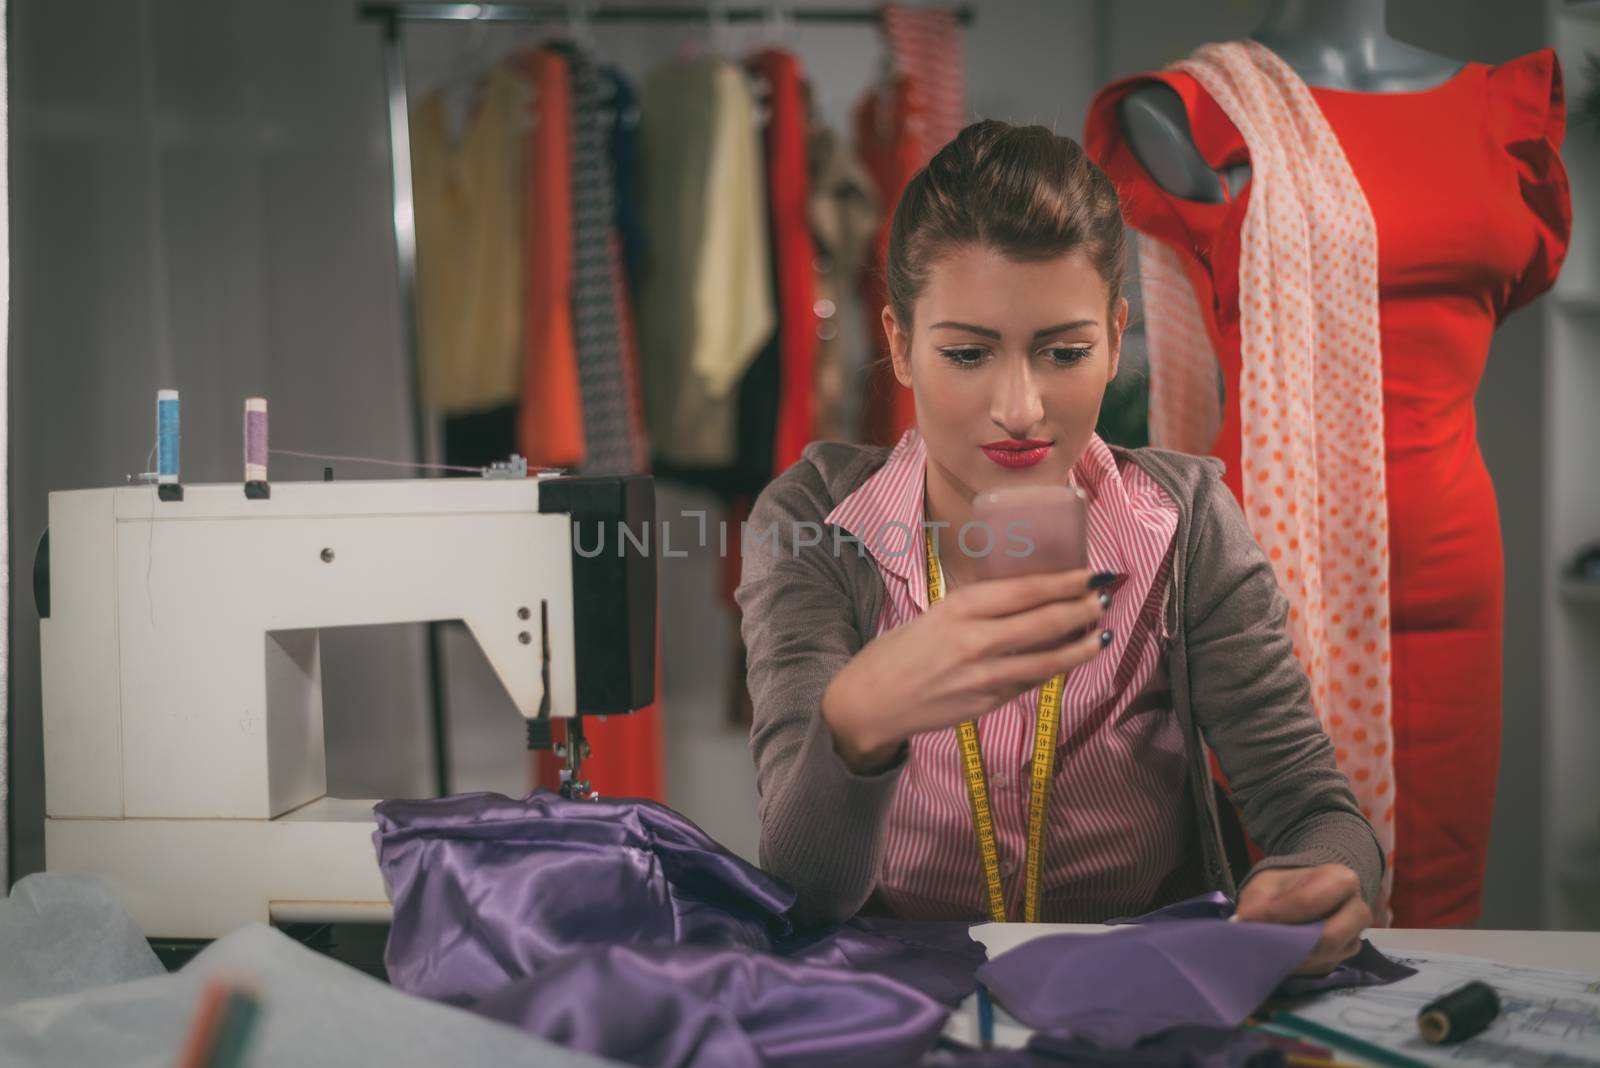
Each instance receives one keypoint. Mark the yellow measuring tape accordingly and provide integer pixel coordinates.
(1044, 748)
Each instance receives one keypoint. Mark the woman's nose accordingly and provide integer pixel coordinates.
(1016, 405)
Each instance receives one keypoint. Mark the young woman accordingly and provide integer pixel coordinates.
(1005, 321)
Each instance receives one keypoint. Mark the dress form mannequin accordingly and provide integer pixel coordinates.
(1336, 44)
(1460, 168)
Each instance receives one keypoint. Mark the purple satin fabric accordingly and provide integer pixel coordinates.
(1366, 967)
(681, 1006)
(938, 958)
(619, 928)
(1189, 968)
(1112, 990)
(486, 889)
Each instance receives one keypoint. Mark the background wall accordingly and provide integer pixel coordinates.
(201, 200)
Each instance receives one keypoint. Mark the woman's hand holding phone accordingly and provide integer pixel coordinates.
(957, 661)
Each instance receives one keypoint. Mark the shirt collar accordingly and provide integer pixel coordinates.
(885, 512)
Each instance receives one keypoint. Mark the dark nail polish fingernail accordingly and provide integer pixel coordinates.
(1105, 638)
(1105, 599)
(1103, 579)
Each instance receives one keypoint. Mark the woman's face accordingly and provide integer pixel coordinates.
(1008, 361)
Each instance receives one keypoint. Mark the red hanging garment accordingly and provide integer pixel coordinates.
(899, 126)
(550, 413)
(788, 193)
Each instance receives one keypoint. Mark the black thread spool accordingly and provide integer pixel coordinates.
(1459, 1014)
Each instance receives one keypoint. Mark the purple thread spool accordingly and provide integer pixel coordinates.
(255, 441)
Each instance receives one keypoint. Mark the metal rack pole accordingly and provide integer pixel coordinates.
(427, 12)
(405, 247)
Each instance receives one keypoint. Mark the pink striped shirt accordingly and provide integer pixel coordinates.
(1120, 820)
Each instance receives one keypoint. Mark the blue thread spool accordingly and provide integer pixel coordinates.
(167, 435)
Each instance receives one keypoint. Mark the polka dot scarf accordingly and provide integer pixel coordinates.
(1310, 397)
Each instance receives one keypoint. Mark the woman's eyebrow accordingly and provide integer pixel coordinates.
(982, 331)
(1061, 328)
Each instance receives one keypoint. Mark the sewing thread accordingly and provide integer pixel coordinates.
(167, 435)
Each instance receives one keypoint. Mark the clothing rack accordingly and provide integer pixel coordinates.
(392, 18)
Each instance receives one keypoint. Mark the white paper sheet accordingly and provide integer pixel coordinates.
(1548, 1019)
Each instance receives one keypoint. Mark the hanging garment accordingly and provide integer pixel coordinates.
(610, 445)
(845, 214)
(1472, 214)
(625, 148)
(926, 45)
(550, 426)
(1118, 834)
(628, 243)
(888, 122)
(705, 305)
(469, 205)
(788, 190)
(900, 125)
(622, 294)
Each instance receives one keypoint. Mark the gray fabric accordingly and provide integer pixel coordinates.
(1236, 687)
(60, 934)
(608, 431)
(315, 1011)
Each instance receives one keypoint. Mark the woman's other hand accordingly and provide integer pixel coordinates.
(958, 660)
(1328, 892)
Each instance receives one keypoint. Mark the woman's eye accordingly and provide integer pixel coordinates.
(1069, 356)
(970, 357)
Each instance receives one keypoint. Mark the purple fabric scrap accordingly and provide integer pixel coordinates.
(683, 1006)
(1114, 989)
(938, 958)
(1366, 967)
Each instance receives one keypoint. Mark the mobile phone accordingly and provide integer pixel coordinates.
(1030, 529)
(1035, 529)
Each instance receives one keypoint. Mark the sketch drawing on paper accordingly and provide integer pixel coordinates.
(1548, 1019)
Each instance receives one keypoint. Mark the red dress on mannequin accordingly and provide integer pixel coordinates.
(1472, 210)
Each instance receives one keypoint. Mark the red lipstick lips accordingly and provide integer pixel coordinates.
(1013, 453)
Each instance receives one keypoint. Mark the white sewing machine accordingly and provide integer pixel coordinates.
(183, 737)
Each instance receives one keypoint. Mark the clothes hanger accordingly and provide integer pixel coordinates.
(777, 27)
(718, 29)
(464, 84)
(580, 25)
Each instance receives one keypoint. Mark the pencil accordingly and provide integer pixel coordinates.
(985, 1018)
(1348, 1043)
(207, 1019)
